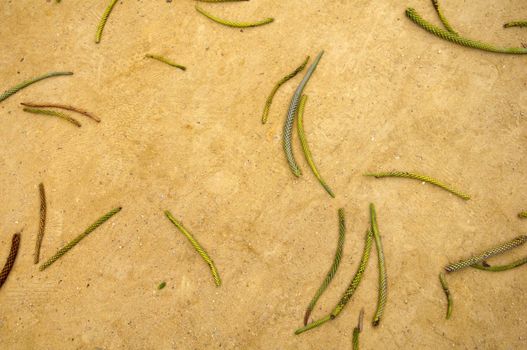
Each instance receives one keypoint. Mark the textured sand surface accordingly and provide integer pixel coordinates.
(386, 96)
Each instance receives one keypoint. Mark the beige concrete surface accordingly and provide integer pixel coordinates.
(386, 96)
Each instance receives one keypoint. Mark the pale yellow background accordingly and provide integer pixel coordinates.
(386, 95)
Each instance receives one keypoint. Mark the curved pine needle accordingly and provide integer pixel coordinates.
(515, 24)
(66, 107)
(357, 278)
(350, 290)
(412, 14)
(201, 251)
(166, 60)
(354, 284)
(53, 114)
(499, 268)
(232, 23)
(282, 81)
(357, 330)
(26, 83)
(15, 243)
(79, 238)
(502, 248)
(522, 215)
(291, 113)
(103, 20)
(42, 223)
(443, 18)
(420, 177)
(305, 146)
(334, 267)
(450, 302)
(383, 281)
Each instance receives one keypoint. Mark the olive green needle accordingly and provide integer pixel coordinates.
(412, 14)
(282, 81)
(165, 60)
(26, 83)
(516, 242)
(42, 223)
(334, 267)
(349, 291)
(357, 278)
(201, 251)
(355, 340)
(499, 268)
(357, 330)
(522, 215)
(448, 295)
(104, 18)
(53, 114)
(313, 324)
(515, 24)
(79, 238)
(232, 23)
(305, 146)
(443, 18)
(291, 113)
(383, 281)
(420, 177)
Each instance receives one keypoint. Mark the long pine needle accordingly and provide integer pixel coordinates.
(201, 251)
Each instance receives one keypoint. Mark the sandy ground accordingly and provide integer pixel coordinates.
(386, 96)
